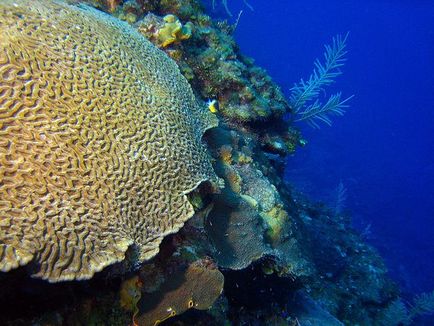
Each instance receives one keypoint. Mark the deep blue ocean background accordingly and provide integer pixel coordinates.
(382, 150)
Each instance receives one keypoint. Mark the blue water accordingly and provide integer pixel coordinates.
(383, 148)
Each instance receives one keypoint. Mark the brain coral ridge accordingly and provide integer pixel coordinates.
(100, 141)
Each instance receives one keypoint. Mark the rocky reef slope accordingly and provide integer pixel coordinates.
(110, 132)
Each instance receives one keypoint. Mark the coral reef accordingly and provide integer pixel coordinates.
(100, 141)
(351, 280)
(164, 31)
(236, 232)
(279, 258)
(245, 92)
(173, 31)
(398, 313)
(197, 287)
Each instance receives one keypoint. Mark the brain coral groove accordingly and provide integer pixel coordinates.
(100, 141)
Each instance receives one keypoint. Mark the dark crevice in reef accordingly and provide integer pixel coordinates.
(252, 290)
(22, 298)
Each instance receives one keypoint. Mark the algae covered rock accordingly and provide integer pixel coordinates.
(100, 141)
(236, 232)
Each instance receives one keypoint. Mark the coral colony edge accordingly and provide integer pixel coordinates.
(141, 161)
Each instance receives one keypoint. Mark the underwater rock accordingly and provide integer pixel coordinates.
(127, 10)
(350, 279)
(281, 230)
(184, 9)
(236, 231)
(249, 219)
(308, 312)
(213, 64)
(100, 141)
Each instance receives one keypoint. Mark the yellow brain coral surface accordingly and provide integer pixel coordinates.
(100, 141)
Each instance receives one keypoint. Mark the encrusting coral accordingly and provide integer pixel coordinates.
(236, 232)
(173, 31)
(100, 141)
(196, 287)
(164, 31)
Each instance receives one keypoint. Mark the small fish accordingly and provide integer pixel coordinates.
(213, 106)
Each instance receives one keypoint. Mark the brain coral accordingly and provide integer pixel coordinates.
(100, 141)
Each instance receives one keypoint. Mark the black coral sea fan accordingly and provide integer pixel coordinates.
(304, 95)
